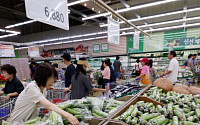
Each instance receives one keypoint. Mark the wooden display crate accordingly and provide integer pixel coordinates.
(114, 122)
(134, 101)
(96, 121)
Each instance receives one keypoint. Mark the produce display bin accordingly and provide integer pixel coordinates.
(96, 121)
(125, 98)
(134, 101)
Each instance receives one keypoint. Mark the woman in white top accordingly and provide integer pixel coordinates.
(31, 98)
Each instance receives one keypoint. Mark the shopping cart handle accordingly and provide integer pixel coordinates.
(136, 79)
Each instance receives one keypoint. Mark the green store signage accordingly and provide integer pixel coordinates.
(96, 48)
(161, 41)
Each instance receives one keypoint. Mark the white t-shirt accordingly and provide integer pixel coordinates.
(26, 106)
(174, 67)
(138, 66)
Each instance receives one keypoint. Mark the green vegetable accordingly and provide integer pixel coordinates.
(159, 108)
(6, 123)
(186, 110)
(134, 121)
(191, 118)
(170, 110)
(32, 121)
(100, 113)
(188, 123)
(127, 112)
(180, 115)
(94, 114)
(147, 116)
(197, 111)
(139, 113)
(117, 118)
(128, 119)
(190, 113)
(175, 120)
(159, 120)
(134, 113)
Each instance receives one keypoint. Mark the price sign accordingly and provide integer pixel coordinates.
(7, 51)
(33, 52)
(52, 12)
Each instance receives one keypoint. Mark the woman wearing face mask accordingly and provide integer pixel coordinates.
(13, 86)
(31, 98)
(145, 75)
(80, 84)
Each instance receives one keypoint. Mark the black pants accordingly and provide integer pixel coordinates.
(104, 82)
(137, 73)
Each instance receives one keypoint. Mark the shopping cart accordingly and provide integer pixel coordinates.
(196, 74)
(6, 107)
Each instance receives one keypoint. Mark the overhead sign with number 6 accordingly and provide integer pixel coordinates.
(52, 12)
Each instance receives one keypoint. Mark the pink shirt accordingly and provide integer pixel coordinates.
(106, 73)
(145, 69)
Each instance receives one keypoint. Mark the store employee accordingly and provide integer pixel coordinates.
(172, 72)
(13, 86)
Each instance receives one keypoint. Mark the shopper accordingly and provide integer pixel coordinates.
(102, 67)
(152, 71)
(69, 72)
(31, 99)
(137, 68)
(13, 86)
(145, 75)
(186, 63)
(60, 72)
(192, 62)
(117, 65)
(172, 72)
(112, 73)
(33, 65)
(81, 85)
(106, 73)
(75, 63)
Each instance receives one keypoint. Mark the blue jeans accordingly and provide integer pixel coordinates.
(117, 75)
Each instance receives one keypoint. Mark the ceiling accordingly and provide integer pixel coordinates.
(13, 11)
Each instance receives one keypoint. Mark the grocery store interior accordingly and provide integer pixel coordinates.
(100, 62)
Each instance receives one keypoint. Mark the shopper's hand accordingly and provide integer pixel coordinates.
(66, 90)
(8, 97)
(73, 120)
(162, 75)
(137, 77)
(106, 90)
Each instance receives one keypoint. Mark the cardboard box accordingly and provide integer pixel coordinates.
(134, 101)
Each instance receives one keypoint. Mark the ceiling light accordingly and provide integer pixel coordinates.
(99, 11)
(48, 44)
(19, 24)
(128, 9)
(89, 39)
(58, 43)
(77, 2)
(90, 34)
(85, 4)
(158, 15)
(9, 35)
(43, 41)
(63, 38)
(92, 8)
(50, 40)
(76, 36)
(67, 42)
(101, 37)
(14, 32)
(78, 40)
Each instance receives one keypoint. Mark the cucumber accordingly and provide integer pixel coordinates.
(32, 121)
(175, 120)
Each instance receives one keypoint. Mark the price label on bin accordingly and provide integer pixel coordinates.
(52, 12)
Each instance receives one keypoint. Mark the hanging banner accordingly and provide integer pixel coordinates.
(33, 52)
(113, 31)
(136, 40)
(7, 51)
(52, 12)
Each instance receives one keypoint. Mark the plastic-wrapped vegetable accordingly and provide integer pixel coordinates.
(100, 113)
(190, 113)
(191, 118)
(197, 111)
(159, 120)
(188, 123)
(159, 108)
(170, 110)
(128, 119)
(180, 115)
(148, 116)
(134, 121)
(134, 113)
(127, 112)
(186, 110)
(6, 123)
(55, 119)
(152, 109)
(175, 120)
(32, 121)
(139, 113)
(117, 118)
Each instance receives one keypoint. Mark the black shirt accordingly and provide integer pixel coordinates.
(68, 74)
(13, 86)
(80, 86)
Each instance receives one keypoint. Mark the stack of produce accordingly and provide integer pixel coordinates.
(82, 109)
(123, 90)
(171, 114)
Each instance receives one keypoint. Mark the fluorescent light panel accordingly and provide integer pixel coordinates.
(129, 9)
(158, 15)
